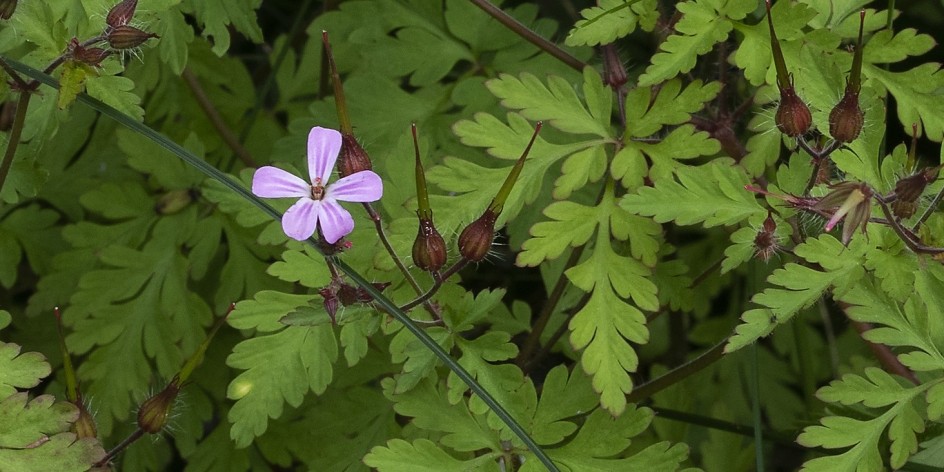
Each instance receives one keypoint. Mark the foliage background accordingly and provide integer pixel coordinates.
(611, 237)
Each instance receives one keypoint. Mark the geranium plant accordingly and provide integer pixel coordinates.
(403, 235)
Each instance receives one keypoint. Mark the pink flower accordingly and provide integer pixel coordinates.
(317, 203)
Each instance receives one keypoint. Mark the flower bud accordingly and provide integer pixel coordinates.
(84, 427)
(90, 56)
(476, 239)
(765, 243)
(155, 411)
(121, 14)
(909, 189)
(353, 158)
(128, 37)
(845, 121)
(173, 201)
(429, 249)
(614, 72)
(793, 117)
(7, 7)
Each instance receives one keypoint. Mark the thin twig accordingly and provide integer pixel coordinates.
(677, 374)
(532, 37)
(120, 447)
(219, 124)
(15, 132)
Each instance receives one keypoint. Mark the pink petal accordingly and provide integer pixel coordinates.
(335, 221)
(323, 147)
(364, 186)
(300, 220)
(272, 182)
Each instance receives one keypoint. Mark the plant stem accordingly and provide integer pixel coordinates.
(721, 425)
(929, 211)
(804, 363)
(755, 410)
(120, 447)
(19, 119)
(559, 333)
(532, 37)
(884, 354)
(219, 124)
(677, 374)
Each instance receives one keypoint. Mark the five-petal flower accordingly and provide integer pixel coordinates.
(317, 203)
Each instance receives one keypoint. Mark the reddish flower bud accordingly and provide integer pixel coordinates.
(7, 7)
(793, 117)
(155, 411)
(909, 189)
(476, 239)
(121, 14)
(90, 56)
(614, 72)
(845, 121)
(128, 37)
(429, 249)
(765, 243)
(353, 158)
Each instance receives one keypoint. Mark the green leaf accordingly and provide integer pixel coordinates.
(34, 437)
(20, 370)
(754, 54)
(648, 109)
(610, 20)
(884, 47)
(712, 194)
(116, 92)
(423, 456)
(704, 23)
(916, 92)
(278, 368)
(72, 82)
(802, 286)
(557, 103)
(217, 16)
(877, 389)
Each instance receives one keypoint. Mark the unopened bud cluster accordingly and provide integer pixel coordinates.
(793, 117)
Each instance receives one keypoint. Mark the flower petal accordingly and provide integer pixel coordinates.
(335, 221)
(300, 220)
(364, 186)
(272, 182)
(324, 144)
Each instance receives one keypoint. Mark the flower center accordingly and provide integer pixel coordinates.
(317, 190)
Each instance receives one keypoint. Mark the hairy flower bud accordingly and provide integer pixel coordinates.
(909, 189)
(90, 56)
(429, 249)
(476, 239)
(84, 427)
(845, 120)
(793, 117)
(7, 7)
(173, 201)
(765, 243)
(155, 411)
(128, 37)
(353, 157)
(121, 14)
